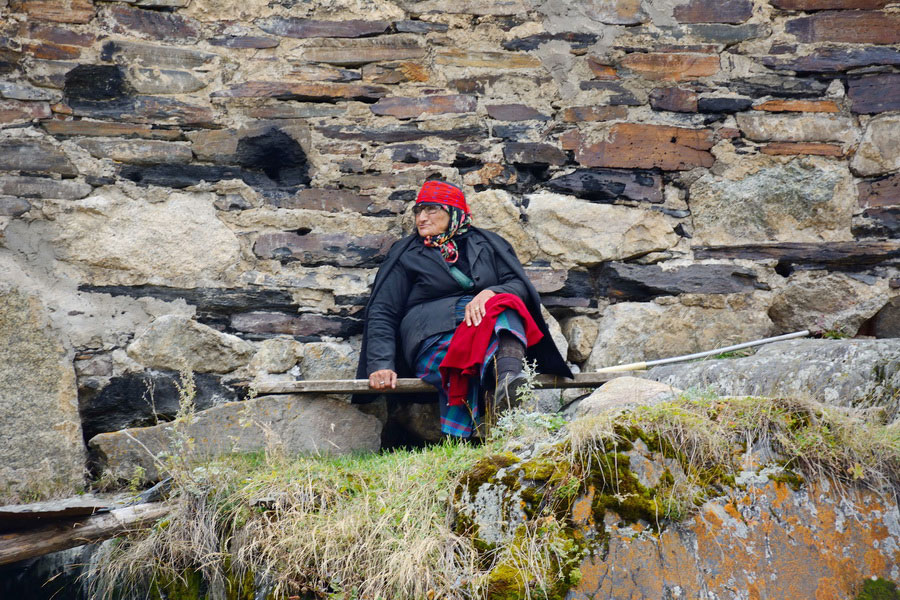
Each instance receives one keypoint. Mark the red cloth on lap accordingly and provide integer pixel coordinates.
(469, 345)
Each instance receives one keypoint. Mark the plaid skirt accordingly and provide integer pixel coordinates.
(462, 421)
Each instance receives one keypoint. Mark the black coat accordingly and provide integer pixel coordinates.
(414, 296)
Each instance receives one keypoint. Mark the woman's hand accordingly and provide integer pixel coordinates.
(383, 379)
(475, 308)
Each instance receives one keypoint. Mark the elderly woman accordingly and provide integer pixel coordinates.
(455, 295)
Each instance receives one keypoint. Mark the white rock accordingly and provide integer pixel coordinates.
(178, 342)
(129, 242)
(879, 150)
(575, 232)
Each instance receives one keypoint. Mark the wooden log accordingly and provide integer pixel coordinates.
(415, 386)
(68, 533)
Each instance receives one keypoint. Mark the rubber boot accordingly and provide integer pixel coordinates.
(509, 364)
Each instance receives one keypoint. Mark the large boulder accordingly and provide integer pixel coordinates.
(839, 372)
(575, 232)
(822, 301)
(41, 449)
(761, 200)
(293, 424)
(179, 343)
(640, 331)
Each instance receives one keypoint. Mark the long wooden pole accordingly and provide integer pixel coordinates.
(68, 533)
(581, 380)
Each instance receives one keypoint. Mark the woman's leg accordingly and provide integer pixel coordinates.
(458, 421)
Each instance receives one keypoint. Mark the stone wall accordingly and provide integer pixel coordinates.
(211, 184)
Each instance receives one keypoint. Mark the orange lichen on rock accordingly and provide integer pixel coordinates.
(770, 542)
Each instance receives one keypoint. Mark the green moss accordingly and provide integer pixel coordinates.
(789, 477)
(505, 583)
(878, 589)
(482, 471)
(538, 469)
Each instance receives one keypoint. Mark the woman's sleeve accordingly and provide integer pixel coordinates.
(510, 282)
(385, 313)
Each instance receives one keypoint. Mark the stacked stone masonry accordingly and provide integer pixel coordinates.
(198, 178)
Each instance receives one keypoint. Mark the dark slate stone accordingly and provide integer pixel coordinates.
(885, 222)
(419, 27)
(179, 176)
(640, 283)
(881, 191)
(13, 207)
(781, 86)
(607, 185)
(403, 195)
(621, 96)
(244, 41)
(514, 132)
(723, 105)
(413, 153)
(141, 400)
(514, 112)
(727, 34)
(835, 60)
(578, 41)
(342, 249)
(153, 24)
(222, 301)
(405, 132)
(674, 99)
(306, 327)
(529, 153)
(844, 256)
(310, 28)
(718, 11)
(34, 156)
(97, 83)
(276, 154)
(874, 94)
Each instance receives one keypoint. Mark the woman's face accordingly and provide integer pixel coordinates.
(432, 220)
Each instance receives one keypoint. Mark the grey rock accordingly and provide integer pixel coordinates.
(805, 200)
(293, 424)
(153, 55)
(619, 394)
(164, 81)
(640, 331)
(10, 206)
(43, 187)
(581, 332)
(139, 152)
(879, 151)
(34, 157)
(821, 127)
(178, 343)
(863, 373)
(886, 324)
(822, 301)
(41, 450)
(18, 91)
(328, 360)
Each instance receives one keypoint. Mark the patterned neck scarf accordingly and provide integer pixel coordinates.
(459, 223)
